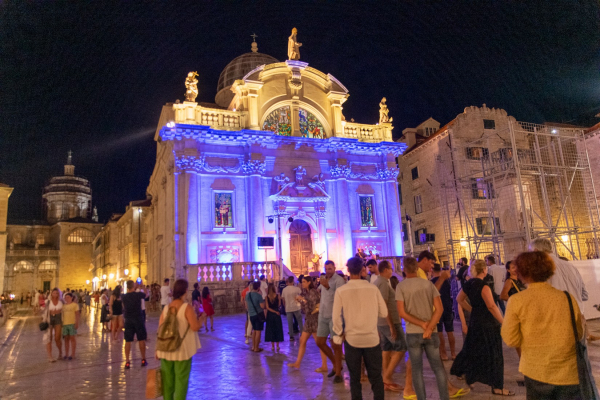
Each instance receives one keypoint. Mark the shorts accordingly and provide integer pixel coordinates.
(56, 320)
(69, 330)
(256, 324)
(386, 341)
(135, 328)
(446, 322)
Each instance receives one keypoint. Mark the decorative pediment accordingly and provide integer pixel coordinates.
(297, 191)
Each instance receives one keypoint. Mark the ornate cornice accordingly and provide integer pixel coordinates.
(254, 167)
(186, 163)
(344, 171)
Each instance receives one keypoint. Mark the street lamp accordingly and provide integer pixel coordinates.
(111, 276)
(126, 272)
(279, 255)
(104, 277)
(87, 282)
(139, 243)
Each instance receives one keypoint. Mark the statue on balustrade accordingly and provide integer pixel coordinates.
(300, 172)
(191, 85)
(293, 46)
(383, 112)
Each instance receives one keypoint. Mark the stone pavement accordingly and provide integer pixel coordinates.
(223, 369)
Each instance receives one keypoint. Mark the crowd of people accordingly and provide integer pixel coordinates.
(359, 318)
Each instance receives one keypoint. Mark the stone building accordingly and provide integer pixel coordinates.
(485, 183)
(55, 252)
(120, 248)
(5, 192)
(280, 153)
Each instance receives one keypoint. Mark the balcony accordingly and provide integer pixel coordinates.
(368, 133)
(32, 253)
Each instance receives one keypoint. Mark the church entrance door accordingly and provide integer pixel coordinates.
(300, 247)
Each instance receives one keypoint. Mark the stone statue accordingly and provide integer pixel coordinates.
(191, 84)
(281, 181)
(293, 46)
(300, 172)
(383, 112)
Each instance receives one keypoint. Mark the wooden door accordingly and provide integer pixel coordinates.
(300, 247)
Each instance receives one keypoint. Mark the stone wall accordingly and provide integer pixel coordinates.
(226, 296)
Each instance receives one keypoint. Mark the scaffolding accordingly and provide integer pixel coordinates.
(508, 186)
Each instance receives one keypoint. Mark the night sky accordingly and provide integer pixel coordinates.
(93, 76)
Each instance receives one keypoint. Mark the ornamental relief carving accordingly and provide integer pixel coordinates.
(199, 164)
(344, 171)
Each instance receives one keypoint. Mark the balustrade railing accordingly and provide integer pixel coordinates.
(236, 272)
(32, 253)
(365, 132)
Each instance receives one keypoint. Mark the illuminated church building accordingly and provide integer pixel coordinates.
(275, 143)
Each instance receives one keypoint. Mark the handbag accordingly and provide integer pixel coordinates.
(587, 385)
(260, 315)
(154, 387)
(44, 324)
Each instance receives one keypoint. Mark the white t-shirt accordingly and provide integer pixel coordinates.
(499, 274)
(289, 294)
(165, 299)
(263, 289)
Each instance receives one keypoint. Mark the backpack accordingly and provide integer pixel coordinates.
(168, 332)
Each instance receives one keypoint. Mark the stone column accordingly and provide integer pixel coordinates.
(192, 234)
(344, 227)
(255, 215)
(5, 192)
(322, 230)
(394, 217)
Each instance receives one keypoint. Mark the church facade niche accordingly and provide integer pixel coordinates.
(291, 154)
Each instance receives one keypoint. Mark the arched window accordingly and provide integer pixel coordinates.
(80, 235)
(310, 126)
(23, 266)
(47, 266)
(279, 122)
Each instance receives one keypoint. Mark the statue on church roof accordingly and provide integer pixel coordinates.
(191, 85)
(383, 112)
(293, 46)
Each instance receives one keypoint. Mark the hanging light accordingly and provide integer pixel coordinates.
(104, 277)
(463, 242)
(126, 272)
(270, 220)
(87, 282)
(290, 219)
(111, 276)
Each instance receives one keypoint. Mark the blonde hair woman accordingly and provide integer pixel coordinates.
(481, 358)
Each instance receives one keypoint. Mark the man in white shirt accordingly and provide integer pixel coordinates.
(165, 294)
(498, 272)
(329, 283)
(566, 276)
(356, 309)
(292, 306)
(373, 271)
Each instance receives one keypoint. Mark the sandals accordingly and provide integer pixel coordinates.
(144, 362)
(127, 365)
(461, 392)
(321, 370)
(392, 387)
(503, 392)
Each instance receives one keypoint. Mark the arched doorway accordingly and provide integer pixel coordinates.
(300, 246)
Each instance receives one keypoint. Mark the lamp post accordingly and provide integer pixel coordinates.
(279, 251)
(139, 242)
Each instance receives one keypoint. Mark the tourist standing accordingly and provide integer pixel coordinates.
(538, 321)
(135, 325)
(41, 301)
(566, 276)
(309, 298)
(416, 301)
(175, 366)
(373, 271)
(55, 306)
(207, 305)
(248, 326)
(292, 306)
(36, 301)
(263, 286)
(498, 272)
(255, 305)
(165, 294)
(463, 271)
(116, 312)
(481, 359)
(442, 284)
(274, 329)
(391, 333)
(356, 309)
(104, 310)
(329, 283)
(513, 284)
(70, 319)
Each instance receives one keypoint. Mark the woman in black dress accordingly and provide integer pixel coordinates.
(512, 284)
(274, 329)
(481, 359)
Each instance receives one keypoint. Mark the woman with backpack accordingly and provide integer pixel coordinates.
(176, 351)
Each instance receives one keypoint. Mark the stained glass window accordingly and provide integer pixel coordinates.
(366, 211)
(310, 126)
(279, 122)
(223, 210)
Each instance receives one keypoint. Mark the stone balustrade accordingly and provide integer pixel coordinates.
(32, 253)
(237, 271)
(368, 133)
(190, 113)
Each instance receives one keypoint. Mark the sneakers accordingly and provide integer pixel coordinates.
(144, 362)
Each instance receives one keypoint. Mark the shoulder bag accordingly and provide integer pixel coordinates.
(587, 385)
(260, 314)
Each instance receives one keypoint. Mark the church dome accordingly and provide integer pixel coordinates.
(237, 69)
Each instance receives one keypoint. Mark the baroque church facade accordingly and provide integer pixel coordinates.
(275, 151)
